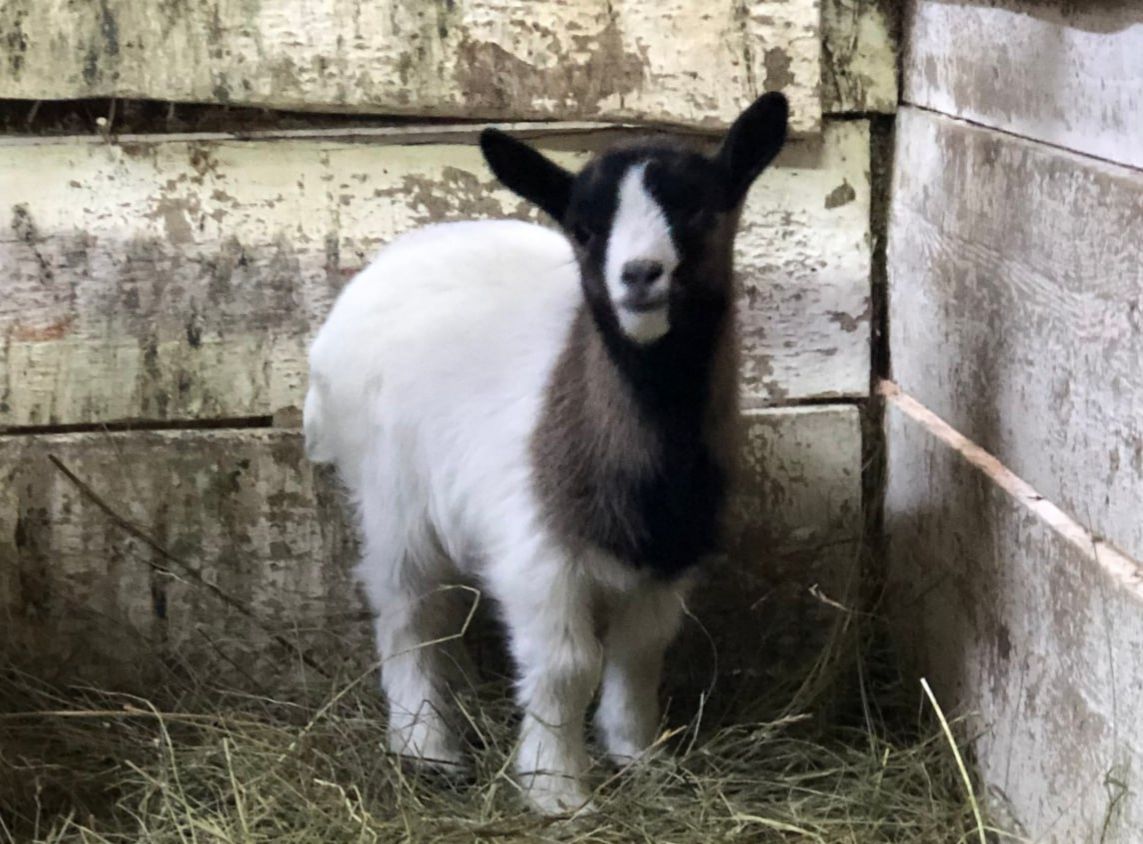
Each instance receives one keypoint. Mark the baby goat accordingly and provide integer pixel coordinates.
(550, 414)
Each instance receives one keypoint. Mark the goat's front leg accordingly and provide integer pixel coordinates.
(547, 607)
(639, 628)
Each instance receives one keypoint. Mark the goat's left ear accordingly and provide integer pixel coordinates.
(527, 172)
(751, 144)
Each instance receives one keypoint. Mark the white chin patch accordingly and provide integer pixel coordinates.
(644, 326)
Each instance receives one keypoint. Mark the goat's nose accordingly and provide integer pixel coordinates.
(641, 273)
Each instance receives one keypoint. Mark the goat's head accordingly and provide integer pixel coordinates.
(652, 223)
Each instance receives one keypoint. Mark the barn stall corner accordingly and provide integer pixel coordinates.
(940, 390)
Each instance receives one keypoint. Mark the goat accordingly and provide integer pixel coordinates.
(551, 414)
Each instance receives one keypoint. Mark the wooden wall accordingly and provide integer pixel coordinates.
(159, 289)
(623, 59)
(227, 255)
(254, 566)
(1027, 624)
(1015, 263)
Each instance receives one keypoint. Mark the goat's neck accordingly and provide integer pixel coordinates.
(634, 444)
(678, 378)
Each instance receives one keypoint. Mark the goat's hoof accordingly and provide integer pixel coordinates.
(628, 755)
(555, 794)
(429, 751)
(449, 773)
(623, 761)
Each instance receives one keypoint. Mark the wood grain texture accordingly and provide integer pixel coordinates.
(1016, 309)
(695, 62)
(804, 258)
(80, 597)
(859, 67)
(1025, 623)
(1060, 72)
(181, 278)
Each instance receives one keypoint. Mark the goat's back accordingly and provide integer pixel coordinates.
(433, 362)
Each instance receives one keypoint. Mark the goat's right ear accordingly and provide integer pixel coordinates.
(527, 172)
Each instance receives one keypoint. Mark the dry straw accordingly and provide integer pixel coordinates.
(837, 757)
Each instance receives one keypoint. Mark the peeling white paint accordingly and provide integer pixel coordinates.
(492, 59)
(253, 517)
(175, 279)
(859, 72)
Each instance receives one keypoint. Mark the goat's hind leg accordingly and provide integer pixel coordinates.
(406, 584)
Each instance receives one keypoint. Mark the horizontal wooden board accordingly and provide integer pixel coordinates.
(161, 278)
(1061, 72)
(247, 517)
(1025, 623)
(695, 62)
(859, 67)
(1016, 309)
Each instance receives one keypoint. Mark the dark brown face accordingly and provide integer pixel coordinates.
(652, 224)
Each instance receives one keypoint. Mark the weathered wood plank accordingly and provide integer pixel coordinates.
(1061, 72)
(178, 279)
(1016, 309)
(859, 46)
(804, 256)
(81, 597)
(1025, 622)
(489, 59)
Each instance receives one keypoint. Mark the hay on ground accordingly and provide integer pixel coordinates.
(191, 763)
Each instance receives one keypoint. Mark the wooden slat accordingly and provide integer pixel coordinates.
(80, 597)
(859, 67)
(1024, 622)
(1016, 309)
(687, 61)
(1061, 72)
(804, 258)
(181, 279)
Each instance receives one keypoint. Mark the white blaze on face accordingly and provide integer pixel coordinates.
(639, 232)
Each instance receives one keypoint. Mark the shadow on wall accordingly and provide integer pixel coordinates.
(948, 596)
(1097, 16)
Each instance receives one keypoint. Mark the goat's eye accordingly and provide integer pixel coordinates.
(582, 234)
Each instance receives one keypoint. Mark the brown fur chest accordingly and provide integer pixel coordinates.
(638, 471)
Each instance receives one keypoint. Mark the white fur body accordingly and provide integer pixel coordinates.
(427, 384)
